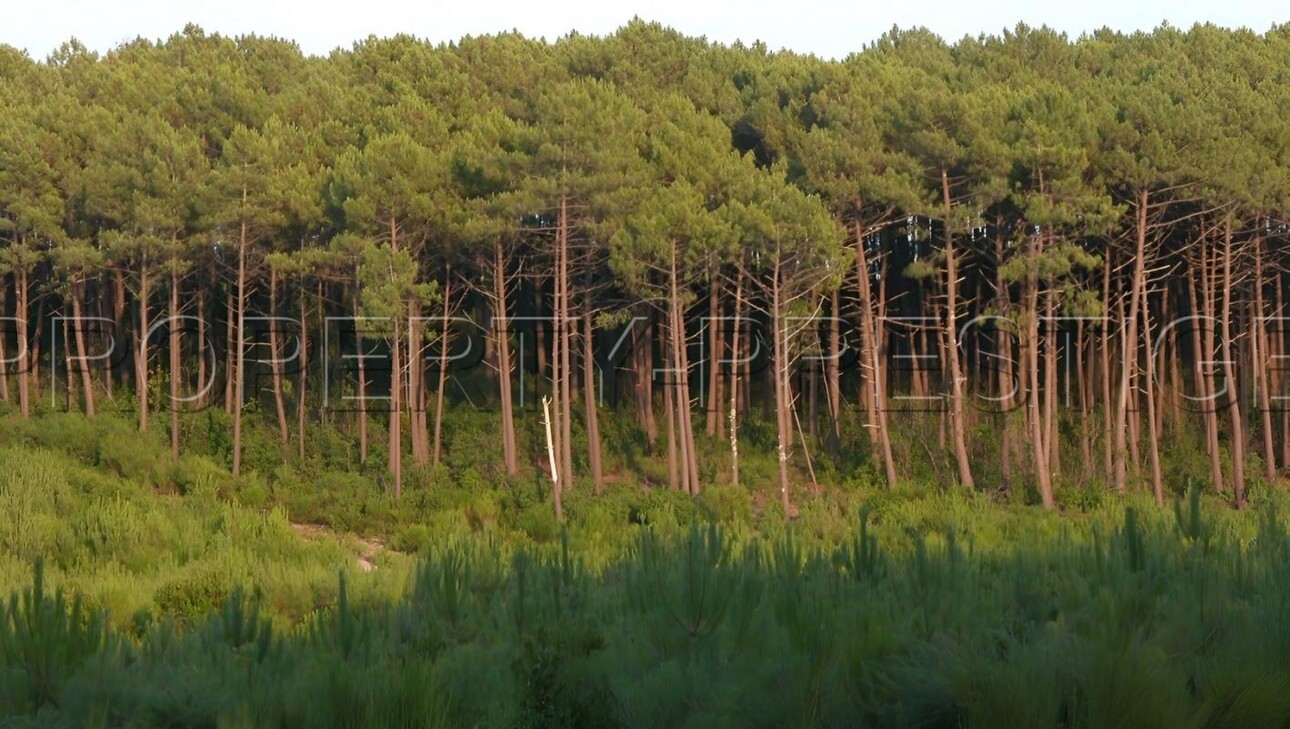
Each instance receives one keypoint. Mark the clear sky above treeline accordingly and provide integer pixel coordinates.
(828, 28)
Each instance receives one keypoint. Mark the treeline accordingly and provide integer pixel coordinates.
(1067, 252)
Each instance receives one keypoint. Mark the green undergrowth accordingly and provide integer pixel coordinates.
(1158, 619)
(138, 554)
(142, 537)
(176, 594)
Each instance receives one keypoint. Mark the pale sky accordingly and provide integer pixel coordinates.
(829, 28)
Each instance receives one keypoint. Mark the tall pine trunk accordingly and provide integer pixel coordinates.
(362, 374)
(736, 357)
(302, 381)
(783, 391)
(445, 343)
(275, 361)
(87, 383)
(712, 379)
(1038, 431)
(4, 353)
(239, 351)
(1259, 343)
(958, 413)
(174, 359)
(1130, 341)
(1229, 374)
(1202, 345)
(873, 373)
(589, 400)
(501, 333)
(141, 356)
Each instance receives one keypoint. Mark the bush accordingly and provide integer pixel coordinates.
(730, 504)
(538, 522)
(128, 454)
(413, 539)
(193, 594)
(70, 433)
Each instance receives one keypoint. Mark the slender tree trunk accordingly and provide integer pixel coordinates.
(1108, 429)
(141, 358)
(589, 400)
(302, 381)
(69, 350)
(36, 341)
(395, 439)
(833, 375)
(1130, 340)
(230, 360)
(1278, 352)
(1229, 375)
(118, 321)
(4, 353)
(239, 356)
(1209, 291)
(686, 403)
(872, 372)
(501, 332)
(1153, 434)
(418, 428)
(957, 409)
(556, 487)
(745, 382)
(539, 338)
(200, 385)
(1259, 342)
(680, 373)
(556, 374)
(1202, 348)
(646, 375)
(275, 364)
(1052, 444)
(712, 405)
(1085, 378)
(174, 359)
(441, 387)
(736, 363)
(669, 408)
(87, 383)
(1135, 398)
(783, 404)
(362, 376)
(1003, 353)
(564, 336)
(1038, 432)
